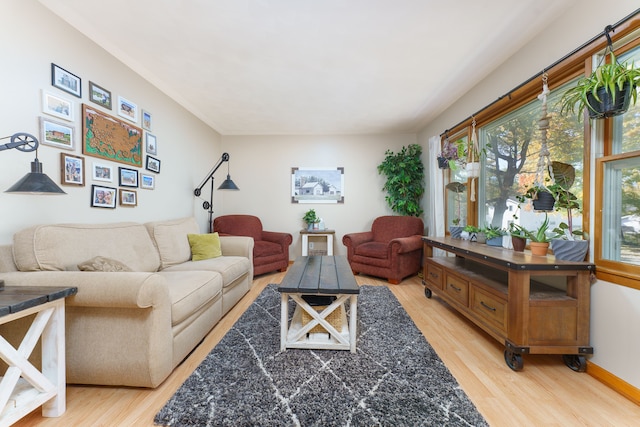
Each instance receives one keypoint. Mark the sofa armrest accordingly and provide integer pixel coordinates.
(406, 244)
(236, 246)
(100, 289)
(355, 239)
(283, 239)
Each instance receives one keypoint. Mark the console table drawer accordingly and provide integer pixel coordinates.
(489, 307)
(434, 274)
(458, 289)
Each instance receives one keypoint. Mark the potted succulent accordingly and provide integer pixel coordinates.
(311, 218)
(539, 239)
(458, 188)
(470, 232)
(494, 235)
(607, 92)
(571, 245)
(518, 237)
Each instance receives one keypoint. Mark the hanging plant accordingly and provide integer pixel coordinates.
(405, 180)
(452, 155)
(607, 92)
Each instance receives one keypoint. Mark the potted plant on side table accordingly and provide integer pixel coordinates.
(494, 235)
(311, 218)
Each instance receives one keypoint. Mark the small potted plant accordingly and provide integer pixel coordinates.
(451, 154)
(518, 237)
(311, 218)
(607, 92)
(539, 239)
(494, 235)
(470, 232)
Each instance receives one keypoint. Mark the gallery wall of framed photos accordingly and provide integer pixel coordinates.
(114, 140)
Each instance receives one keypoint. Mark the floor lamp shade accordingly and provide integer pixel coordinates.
(35, 182)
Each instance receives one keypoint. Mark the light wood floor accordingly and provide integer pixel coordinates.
(545, 393)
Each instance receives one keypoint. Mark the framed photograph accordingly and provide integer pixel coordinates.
(99, 95)
(147, 181)
(127, 109)
(102, 172)
(103, 197)
(153, 164)
(72, 169)
(110, 138)
(128, 198)
(146, 120)
(152, 144)
(57, 106)
(57, 134)
(317, 185)
(66, 81)
(128, 177)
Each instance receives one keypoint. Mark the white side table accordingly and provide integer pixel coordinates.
(23, 387)
(327, 234)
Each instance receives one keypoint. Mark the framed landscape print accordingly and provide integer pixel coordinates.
(72, 169)
(57, 106)
(317, 185)
(128, 198)
(66, 81)
(110, 138)
(103, 197)
(128, 178)
(147, 181)
(153, 164)
(127, 109)
(57, 134)
(99, 95)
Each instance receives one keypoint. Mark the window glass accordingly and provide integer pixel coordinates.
(456, 190)
(513, 145)
(626, 127)
(621, 210)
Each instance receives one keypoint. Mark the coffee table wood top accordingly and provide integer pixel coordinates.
(320, 275)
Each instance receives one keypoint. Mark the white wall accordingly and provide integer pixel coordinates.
(615, 310)
(31, 38)
(261, 167)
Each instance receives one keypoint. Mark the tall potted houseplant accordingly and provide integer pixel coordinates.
(570, 244)
(607, 92)
(457, 188)
(405, 180)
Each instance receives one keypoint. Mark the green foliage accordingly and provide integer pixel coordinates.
(470, 229)
(608, 76)
(405, 180)
(310, 217)
(538, 235)
(493, 231)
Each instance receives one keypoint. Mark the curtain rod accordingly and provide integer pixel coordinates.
(536, 76)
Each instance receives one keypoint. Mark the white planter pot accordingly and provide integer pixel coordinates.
(473, 169)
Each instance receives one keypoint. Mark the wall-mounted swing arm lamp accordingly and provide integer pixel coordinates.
(35, 182)
(227, 184)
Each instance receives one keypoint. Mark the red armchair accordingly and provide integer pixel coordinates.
(392, 249)
(270, 250)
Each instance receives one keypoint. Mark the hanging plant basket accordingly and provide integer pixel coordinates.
(443, 163)
(610, 105)
(473, 169)
(543, 201)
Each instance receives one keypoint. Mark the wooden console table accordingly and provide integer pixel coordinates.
(23, 387)
(533, 304)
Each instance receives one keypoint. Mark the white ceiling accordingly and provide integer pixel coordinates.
(269, 67)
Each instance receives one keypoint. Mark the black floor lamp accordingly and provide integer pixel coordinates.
(227, 184)
(35, 182)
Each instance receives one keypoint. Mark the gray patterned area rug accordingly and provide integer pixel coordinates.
(394, 379)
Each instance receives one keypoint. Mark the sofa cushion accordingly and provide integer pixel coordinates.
(63, 246)
(170, 237)
(204, 246)
(100, 263)
(230, 267)
(189, 291)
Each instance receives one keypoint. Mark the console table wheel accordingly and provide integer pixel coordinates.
(514, 360)
(575, 362)
(427, 292)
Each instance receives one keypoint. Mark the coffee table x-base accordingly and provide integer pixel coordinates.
(319, 276)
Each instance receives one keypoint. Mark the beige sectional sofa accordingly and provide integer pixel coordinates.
(130, 328)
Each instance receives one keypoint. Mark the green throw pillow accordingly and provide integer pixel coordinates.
(204, 246)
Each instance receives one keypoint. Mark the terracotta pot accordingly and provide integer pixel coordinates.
(518, 243)
(539, 249)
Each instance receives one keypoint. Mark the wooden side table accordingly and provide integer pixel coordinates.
(327, 234)
(23, 388)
